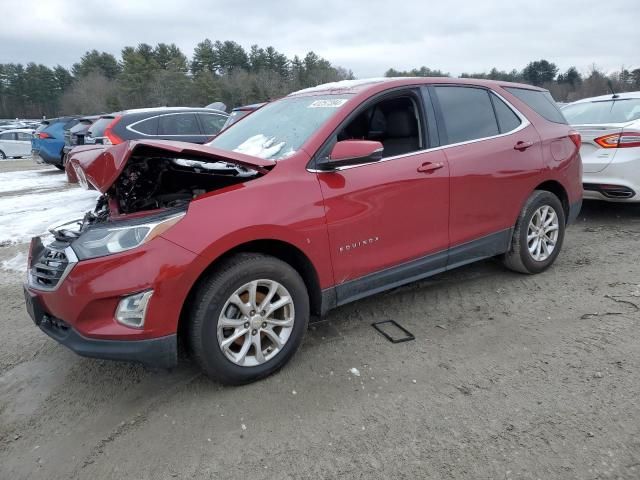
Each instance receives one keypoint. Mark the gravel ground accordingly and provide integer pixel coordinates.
(510, 376)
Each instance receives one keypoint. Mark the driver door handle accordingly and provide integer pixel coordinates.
(430, 167)
(522, 146)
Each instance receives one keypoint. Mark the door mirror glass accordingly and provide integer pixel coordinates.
(353, 152)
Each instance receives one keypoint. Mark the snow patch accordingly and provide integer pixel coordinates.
(260, 146)
(32, 180)
(341, 85)
(28, 215)
(355, 371)
(17, 263)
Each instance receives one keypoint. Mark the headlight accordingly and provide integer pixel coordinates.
(109, 239)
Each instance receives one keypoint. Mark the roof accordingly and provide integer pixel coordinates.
(608, 96)
(364, 84)
(170, 109)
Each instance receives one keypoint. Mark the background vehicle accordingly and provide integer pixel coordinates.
(15, 143)
(48, 140)
(74, 135)
(241, 112)
(183, 124)
(610, 130)
(315, 200)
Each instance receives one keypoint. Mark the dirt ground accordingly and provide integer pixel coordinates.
(510, 376)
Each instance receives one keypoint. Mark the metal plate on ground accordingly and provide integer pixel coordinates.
(393, 331)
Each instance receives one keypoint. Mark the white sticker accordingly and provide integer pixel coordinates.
(328, 103)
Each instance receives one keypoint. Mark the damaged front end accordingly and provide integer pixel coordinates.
(146, 188)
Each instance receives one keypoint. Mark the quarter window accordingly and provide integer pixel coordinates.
(540, 101)
(24, 136)
(467, 113)
(179, 124)
(507, 119)
(147, 127)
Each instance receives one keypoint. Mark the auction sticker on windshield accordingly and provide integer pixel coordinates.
(328, 103)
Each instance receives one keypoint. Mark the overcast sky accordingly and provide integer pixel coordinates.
(366, 36)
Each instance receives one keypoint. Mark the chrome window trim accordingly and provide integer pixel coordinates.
(524, 123)
(72, 261)
(131, 129)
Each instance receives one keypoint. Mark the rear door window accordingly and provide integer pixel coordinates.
(211, 122)
(7, 136)
(539, 101)
(507, 119)
(179, 124)
(466, 112)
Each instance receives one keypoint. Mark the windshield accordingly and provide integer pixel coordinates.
(279, 129)
(608, 111)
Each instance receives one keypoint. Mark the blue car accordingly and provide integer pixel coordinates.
(48, 140)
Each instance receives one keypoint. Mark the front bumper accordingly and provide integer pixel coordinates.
(79, 311)
(155, 352)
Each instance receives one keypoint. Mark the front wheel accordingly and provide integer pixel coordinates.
(538, 234)
(249, 318)
(3, 156)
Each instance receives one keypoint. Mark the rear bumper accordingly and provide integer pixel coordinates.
(155, 352)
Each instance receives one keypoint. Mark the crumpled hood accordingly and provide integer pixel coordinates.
(102, 164)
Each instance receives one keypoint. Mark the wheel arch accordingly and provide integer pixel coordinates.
(282, 250)
(555, 187)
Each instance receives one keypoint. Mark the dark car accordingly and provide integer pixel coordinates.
(316, 200)
(48, 140)
(74, 135)
(194, 125)
(239, 113)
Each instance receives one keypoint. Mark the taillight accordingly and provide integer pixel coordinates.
(110, 137)
(619, 140)
(44, 135)
(575, 138)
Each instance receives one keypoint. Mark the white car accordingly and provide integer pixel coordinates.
(15, 143)
(610, 130)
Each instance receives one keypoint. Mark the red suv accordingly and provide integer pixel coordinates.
(321, 198)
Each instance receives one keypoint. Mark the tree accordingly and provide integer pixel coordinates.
(204, 58)
(571, 77)
(539, 72)
(94, 61)
(416, 72)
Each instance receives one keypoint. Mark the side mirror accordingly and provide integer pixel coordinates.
(352, 152)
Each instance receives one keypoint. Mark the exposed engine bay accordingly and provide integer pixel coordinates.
(159, 181)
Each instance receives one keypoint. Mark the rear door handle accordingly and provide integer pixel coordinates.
(430, 167)
(522, 146)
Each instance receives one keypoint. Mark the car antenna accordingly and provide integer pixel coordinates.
(613, 93)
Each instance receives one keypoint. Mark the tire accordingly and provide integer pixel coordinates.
(206, 333)
(519, 257)
(2, 155)
(59, 167)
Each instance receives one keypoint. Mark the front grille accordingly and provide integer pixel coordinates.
(47, 270)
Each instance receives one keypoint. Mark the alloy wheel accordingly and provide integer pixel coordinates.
(542, 233)
(256, 322)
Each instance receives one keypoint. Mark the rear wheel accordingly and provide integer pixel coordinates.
(249, 318)
(2, 155)
(538, 234)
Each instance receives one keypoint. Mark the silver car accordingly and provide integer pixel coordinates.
(610, 130)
